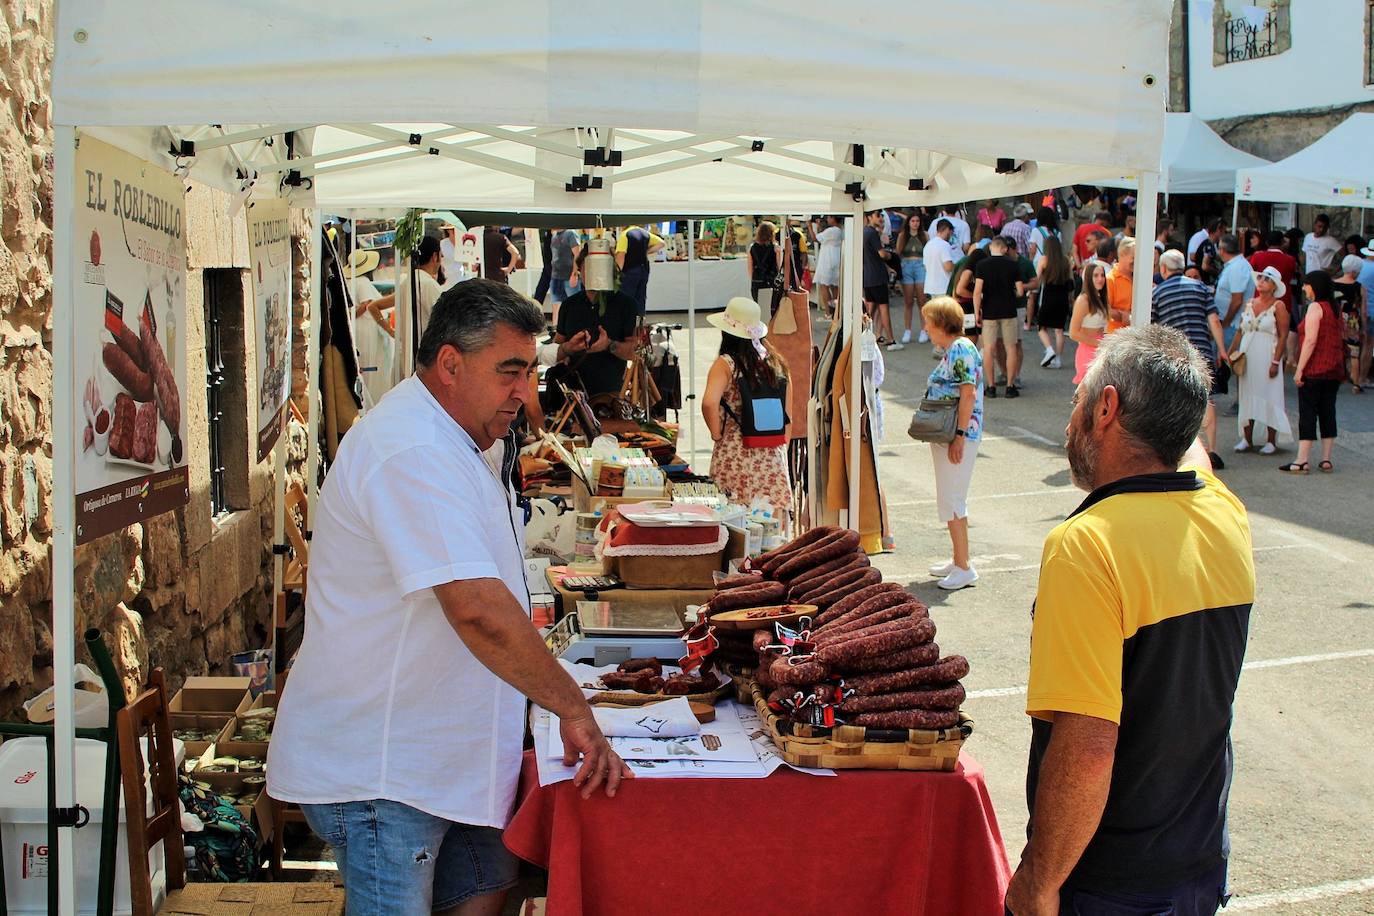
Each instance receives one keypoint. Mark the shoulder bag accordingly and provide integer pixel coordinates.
(934, 420)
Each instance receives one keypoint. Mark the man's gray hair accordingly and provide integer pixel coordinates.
(1229, 244)
(466, 317)
(1163, 383)
(1172, 260)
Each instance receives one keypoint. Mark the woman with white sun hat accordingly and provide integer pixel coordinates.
(1263, 335)
(744, 406)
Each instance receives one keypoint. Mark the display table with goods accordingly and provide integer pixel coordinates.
(835, 717)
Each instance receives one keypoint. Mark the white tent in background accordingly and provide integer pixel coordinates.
(1194, 159)
(1337, 170)
(614, 111)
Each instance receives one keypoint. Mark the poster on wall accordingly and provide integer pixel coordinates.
(269, 239)
(129, 300)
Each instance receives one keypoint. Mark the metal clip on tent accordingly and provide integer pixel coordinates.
(79, 816)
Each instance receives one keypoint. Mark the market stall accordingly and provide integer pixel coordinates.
(1326, 173)
(1194, 159)
(256, 109)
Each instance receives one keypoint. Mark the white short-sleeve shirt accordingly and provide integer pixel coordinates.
(1321, 250)
(385, 701)
(936, 253)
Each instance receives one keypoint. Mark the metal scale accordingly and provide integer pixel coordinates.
(600, 633)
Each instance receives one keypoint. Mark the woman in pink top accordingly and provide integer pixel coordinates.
(992, 216)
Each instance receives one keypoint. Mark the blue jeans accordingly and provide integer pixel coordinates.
(913, 272)
(395, 859)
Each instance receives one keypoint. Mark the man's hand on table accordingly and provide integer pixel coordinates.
(582, 736)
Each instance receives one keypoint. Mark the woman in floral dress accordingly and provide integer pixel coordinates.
(744, 473)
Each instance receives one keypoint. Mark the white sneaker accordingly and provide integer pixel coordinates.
(1048, 358)
(1268, 449)
(906, 336)
(1242, 446)
(940, 570)
(894, 346)
(960, 578)
(924, 338)
(1056, 363)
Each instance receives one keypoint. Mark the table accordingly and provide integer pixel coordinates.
(716, 282)
(875, 842)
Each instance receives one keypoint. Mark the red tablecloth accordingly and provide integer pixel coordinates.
(866, 841)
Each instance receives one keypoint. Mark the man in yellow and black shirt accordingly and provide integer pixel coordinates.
(1139, 631)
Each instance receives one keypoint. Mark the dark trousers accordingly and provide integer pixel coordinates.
(1317, 406)
(634, 282)
(1202, 896)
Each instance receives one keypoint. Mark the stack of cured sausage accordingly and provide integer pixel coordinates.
(868, 657)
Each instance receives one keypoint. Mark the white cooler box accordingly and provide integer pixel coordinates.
(24, 828)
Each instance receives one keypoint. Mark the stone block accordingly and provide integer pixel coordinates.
(163, 553)
(124, 636)
(212, 240)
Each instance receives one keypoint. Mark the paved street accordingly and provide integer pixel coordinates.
(1303, 798)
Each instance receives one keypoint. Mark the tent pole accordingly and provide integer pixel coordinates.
(853, 333)
(312, 367)
(1235, 214)
(1146, 219)
(691, 346)
(64, 506)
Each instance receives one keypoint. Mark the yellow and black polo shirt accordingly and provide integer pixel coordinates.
(1141, 618)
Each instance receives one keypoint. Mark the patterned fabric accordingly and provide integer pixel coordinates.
(227, 849)
(1183, 304)
(746, 473)
(962, 365)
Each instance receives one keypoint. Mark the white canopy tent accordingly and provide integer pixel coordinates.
(1194, 159)
(1337, 170)
(381, 111)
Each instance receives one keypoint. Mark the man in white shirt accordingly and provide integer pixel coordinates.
(939, 257)
(962, 236)
(1235, 285)
(401, 733)
(1319, 248)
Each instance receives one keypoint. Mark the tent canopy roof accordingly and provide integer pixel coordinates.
(1337, 170)
(1195, 160)
(349, 76)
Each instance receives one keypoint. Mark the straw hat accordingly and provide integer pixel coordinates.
(1272, 273)
(741, 318)
(361, 261)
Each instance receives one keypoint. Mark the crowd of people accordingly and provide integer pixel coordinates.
(1256, 306)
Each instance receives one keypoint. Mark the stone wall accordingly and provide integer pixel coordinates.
(183, 590)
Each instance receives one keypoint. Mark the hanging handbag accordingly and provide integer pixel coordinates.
(934, 421)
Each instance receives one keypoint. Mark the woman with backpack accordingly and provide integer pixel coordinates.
(745, 408)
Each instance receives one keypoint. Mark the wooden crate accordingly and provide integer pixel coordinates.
(853, 747)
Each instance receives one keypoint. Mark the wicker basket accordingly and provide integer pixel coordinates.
(853, 747)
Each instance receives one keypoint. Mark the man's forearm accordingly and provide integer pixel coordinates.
(490, 622)
(1075, 777)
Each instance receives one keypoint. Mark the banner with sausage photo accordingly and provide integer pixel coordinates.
(269, 241)
(130, 365)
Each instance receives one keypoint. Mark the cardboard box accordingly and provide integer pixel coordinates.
(230, 745)
(216, 722)
(223, 695)
(259, 813)
(584, 501)
(678, 572)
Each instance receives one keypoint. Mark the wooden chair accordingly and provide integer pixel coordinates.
(148, 716)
